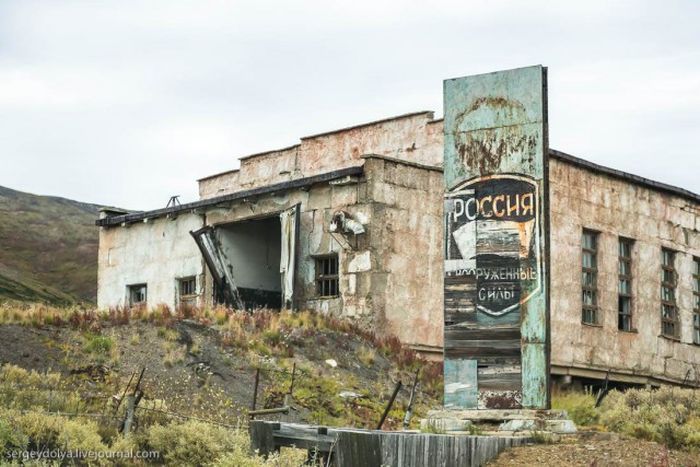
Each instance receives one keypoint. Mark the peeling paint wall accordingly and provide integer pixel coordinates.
(407, 250)
(391, 278)
(155, 253)
(318, 204)
(413, 137)
(584, 199)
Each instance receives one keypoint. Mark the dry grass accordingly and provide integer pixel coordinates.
(29, 420)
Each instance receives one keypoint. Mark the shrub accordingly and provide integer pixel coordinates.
(41, 428)
(80, 435)
(580, 406)
(23, 389)
(366, 355)
(191, 443)
(11, 438)
(667, 415)
(99, 344)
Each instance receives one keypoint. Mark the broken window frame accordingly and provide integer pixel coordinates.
(589, 311)
(137, 288)
(696, 300)
(624, 286)
(327, 281)
(670, 324)
(187, 290)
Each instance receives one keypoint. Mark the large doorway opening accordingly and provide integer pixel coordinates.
(253, 249)
(252, 262)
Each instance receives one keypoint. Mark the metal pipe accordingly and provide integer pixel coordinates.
(269, 411)
(255, 388)
(388, 406)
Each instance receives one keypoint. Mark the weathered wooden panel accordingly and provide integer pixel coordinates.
(460, 382)
(367, 448)
(359, 448)
(261, 436)
(495, 238)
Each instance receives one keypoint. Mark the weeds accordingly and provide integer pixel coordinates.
(29, 420)
(98, 344)
(667, 415)
(541, 437)
(580, 406)
(366, 355)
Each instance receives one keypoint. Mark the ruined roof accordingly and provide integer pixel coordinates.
(205, 203)
(325, 133)
(628, 177)
(218, 174)
(374, 122)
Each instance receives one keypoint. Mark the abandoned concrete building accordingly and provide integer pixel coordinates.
(349, 223)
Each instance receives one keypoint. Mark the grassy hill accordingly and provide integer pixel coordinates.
(48, 248)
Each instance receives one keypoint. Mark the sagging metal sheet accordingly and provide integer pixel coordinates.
(216, 262)
(289, 221)
(495, 226)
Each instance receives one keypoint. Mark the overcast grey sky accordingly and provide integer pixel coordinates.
(126, 103)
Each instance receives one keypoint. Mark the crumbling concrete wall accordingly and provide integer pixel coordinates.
(414, 137)
(406, 249)
(156, 253)
(581, 198)
(318, 203)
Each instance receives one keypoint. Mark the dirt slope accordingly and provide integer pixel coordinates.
(208, 371)
(48, 248)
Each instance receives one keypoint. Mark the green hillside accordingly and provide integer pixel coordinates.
(48, 248)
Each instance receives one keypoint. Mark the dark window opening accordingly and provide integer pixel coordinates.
(187, 291)
(138, 294)
(624, 292)
(670, 326)
(327, 276)
(696, 301)
(252, 250)
(589, 247)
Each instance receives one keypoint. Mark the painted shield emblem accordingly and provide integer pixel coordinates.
(492, 241)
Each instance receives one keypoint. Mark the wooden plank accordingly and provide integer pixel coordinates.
(469, 333)
(304, 437)
(474, 350)
(460, 382)
(379, 448)
(261, 437)
(357, 448)
(499, 378)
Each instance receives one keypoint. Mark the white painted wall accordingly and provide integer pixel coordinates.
(156, 253)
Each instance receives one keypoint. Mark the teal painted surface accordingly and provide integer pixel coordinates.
(495, 124)
(496, 119)
(534, 376)
(460, 383)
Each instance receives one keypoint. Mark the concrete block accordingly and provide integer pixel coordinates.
(444, 424)
(360, 263)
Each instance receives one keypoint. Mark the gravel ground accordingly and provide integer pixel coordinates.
(596, 450)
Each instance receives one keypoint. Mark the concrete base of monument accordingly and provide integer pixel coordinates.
(523, 421)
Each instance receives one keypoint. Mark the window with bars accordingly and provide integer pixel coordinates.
(670, 326)
(589, 247)
(187, 290)
(327, 275)
(696, 301)
(138, 294)
(624, 287)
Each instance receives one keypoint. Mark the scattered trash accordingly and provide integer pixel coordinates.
(332, 363)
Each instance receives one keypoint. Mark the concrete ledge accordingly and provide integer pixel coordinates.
(498, 415)
(510, 421)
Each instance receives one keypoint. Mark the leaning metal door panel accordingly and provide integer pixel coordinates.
(217, 264)
(289, 221)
